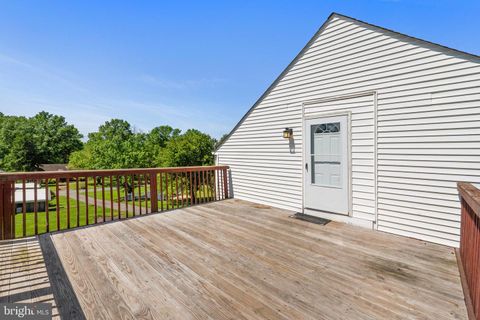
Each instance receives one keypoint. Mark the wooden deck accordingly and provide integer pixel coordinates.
(232, 260)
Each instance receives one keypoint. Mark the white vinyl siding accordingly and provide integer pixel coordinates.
(427, 142)
(427, 126)
(263, 168)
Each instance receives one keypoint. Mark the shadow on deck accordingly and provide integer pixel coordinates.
(31, 271)
(231, 259)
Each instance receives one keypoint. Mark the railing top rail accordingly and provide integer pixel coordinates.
(8, 176)
(471, 195)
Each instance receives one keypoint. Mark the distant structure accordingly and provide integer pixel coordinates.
(30, 197)
(53, 167)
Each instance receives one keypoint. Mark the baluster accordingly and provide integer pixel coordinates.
(24, 208)
(191, 187)
(11, 232)
(160, 192)
(118, 198)
(111, 198)
(35, 209)
(103, 198)
(195, 184)
(166, 190)
(95, 199)
(126, 195)
(222, 194)
(176, 189)
(67, 180)
(77, 186)
(182, 182)
(11, 219)
(210, 188)
(207, 186)
(133, 194)
(47, 204)
(217, 193)
(57, 198)
(86, 201)
(214, 185)
(140, 193)
(146, 193)
(203, 186)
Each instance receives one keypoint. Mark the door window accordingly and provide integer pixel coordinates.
(326, 154)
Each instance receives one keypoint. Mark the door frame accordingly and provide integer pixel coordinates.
(374, 94)
(320, 115)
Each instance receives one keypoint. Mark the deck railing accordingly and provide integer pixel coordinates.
(32, 203)
(470, 247)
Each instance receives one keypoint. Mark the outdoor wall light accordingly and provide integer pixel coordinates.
(288, 133)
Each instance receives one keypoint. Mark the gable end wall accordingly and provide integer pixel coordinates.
(427, 129)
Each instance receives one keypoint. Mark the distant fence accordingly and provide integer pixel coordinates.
(32, 203)
(470, 247)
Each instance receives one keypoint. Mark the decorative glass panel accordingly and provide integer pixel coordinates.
(326, 127)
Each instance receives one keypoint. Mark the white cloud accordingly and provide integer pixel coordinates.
(49, 74)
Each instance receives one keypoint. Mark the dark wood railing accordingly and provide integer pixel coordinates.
(469, 252)
(32, 203)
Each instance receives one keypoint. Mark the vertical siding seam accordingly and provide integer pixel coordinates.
(375, 156)
(303, 157)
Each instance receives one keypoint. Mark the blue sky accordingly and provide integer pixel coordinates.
(189, 64)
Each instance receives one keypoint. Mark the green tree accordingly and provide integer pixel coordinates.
(54, 138)
(17, 150)
(159, 136)
(157, 139)
(82, 159)
(114, 146)
(25, 143)
(193, 148)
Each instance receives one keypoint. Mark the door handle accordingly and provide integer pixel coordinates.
(306, 166)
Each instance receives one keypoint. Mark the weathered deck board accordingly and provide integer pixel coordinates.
(23, 273)
(233, 260)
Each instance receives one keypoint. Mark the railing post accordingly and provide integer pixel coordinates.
(468, 256)
(225, 183)
(7, 189)
(153, 192)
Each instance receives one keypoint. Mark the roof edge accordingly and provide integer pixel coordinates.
(439, 46)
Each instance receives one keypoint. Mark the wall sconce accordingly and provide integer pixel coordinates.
(288, 133)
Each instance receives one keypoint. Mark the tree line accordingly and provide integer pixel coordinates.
(28, 142)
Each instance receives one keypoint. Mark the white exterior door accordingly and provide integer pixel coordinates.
(326, 164)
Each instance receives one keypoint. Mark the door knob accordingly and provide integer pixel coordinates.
(306, 166)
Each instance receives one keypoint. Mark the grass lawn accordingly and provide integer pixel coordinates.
(52, 214)
(171, 202)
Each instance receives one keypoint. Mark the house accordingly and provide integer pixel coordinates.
(30, 197)
(53, 167)
(379, 128)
